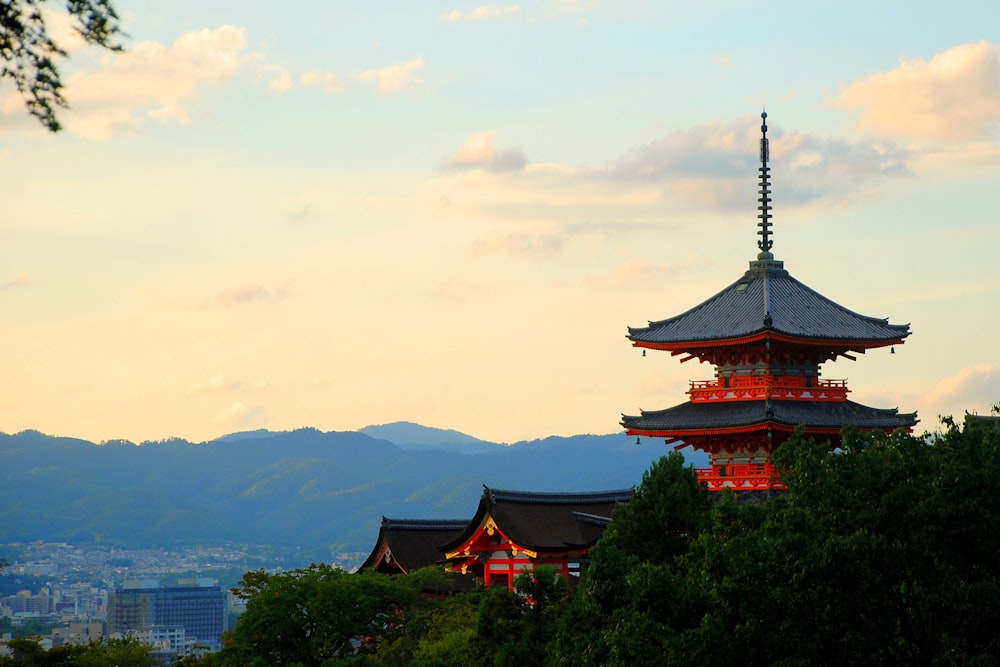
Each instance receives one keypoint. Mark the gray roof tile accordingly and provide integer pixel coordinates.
(768, 298)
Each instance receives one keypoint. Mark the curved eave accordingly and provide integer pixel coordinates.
(680, 434)
(469, 544)
(467, 536)
(690, 419)
(379, 550)
(845, 344)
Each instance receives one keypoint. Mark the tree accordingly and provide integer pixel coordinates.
(882, 552)
(635, 597)
(321, 615)
(27, 652)
(28, 51)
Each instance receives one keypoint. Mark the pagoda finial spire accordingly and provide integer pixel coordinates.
(765, 241)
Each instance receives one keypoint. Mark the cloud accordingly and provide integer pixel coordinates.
(240, 414)
(245, 294)
(394, 77)
(710, 165)
(639, 270)
(724, 61)
(479, 153)
(281, 82)
(953, 97)
(329, 81)
(972, 389)
(20, 280)
(221, 383)
(150, 81)
(521, 243)
(480, 13)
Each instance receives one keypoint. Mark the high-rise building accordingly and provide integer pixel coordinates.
(199, 609)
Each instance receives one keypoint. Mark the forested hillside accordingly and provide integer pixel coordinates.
(302, 488)
(882, 553)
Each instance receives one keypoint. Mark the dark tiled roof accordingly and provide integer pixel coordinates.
(413, 542)
(768, 298)
(544, 521)
(733, 414)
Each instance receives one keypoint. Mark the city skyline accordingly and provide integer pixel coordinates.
(449, 214)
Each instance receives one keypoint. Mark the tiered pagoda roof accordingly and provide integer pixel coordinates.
(767, 302)
(828, 417)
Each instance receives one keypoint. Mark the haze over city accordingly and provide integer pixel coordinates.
(341, 214)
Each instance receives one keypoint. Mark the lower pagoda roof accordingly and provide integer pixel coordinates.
(694, 418)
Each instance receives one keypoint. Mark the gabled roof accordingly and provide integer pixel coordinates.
(410, 544)
(690, 417)
(543, 522)
(768, 299)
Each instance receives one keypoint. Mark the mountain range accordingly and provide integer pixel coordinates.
(304, 488)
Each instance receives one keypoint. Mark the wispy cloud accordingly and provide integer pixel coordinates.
(973, 389)
(724, 61)
(242, 415)
(280, 81)
(480, 13)
(329, 81)
(708, 165)
(479, 153)
(394, 77)
(953, 97)
(152, 81)
(225, 384)
(521, 243)
(246, 294)
(641, 270)
(20, 280)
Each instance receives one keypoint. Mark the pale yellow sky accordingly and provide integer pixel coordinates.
(450, 215)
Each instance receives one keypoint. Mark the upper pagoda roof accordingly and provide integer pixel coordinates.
(768, 303)
(690, 418)
(542, 522)
(410, 544)
(769, 300)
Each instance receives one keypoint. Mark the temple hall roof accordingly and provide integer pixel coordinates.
(544, 521)
(410, 544)
(768, 299)
(738, 414)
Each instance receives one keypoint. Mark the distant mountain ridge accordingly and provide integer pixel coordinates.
(300, 488)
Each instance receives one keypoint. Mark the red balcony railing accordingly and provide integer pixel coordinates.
(756, 387)
(741, 477)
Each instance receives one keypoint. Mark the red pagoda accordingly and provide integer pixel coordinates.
(767, 335)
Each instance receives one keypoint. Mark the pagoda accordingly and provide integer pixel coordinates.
(767, 335)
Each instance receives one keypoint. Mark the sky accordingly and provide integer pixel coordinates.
(266, 215)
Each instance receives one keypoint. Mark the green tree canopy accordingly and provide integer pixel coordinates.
(883, 552)
(28, 51)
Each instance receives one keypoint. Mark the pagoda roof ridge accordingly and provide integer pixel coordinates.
(768, 299)
(556, 498)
